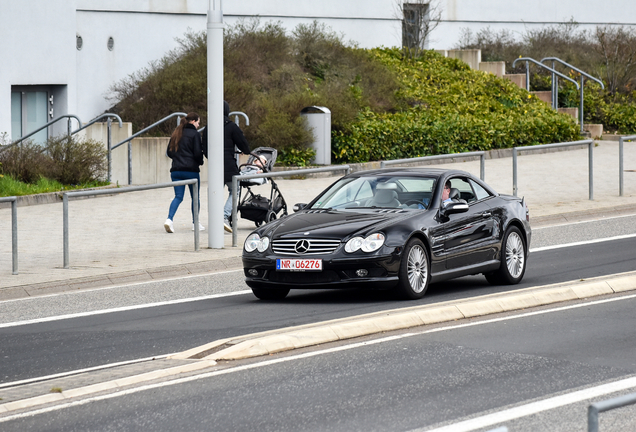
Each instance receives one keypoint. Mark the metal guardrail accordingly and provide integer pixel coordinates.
(236, 178)
(606, 405)
(620, 161)
(67, 195)
(30, 134)
(14, 230)
(141, 132)
(590, 144)
(481, 154)
(555, 85)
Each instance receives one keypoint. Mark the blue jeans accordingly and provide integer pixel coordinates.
(180, 190)
(227, 209)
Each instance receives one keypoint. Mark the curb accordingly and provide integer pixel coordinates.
(272, 342)
(277, 341)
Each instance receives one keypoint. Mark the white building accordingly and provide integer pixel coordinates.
(61, 56)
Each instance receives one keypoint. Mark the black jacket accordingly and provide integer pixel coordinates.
(189, 155)
(232, 136)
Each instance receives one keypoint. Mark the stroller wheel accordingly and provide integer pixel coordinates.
(270, 216)
(257, 223)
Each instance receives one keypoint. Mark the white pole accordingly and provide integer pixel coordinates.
(215, 126)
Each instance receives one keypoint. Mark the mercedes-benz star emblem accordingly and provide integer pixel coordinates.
(302, 246)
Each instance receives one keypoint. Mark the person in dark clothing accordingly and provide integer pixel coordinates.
(185, 151)
(232, 137)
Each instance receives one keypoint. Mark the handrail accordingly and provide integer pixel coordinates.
(67, 195)
(96, 119)
(528, 59)
(574, 68)
(235, 187)
(14, 230)
(130, 138)
(594, 409)
(19, 140)
(481, 154)
(555, 85)
(240, 113)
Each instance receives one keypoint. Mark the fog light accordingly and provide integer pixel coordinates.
(362, 272)
(253, 272)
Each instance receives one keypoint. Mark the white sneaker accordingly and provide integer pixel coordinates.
(201, 227)
(226, 225)
(168, 226)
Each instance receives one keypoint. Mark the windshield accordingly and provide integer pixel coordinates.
(378, 192)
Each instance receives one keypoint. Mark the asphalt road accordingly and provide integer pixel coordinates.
(61, 345)
(409, 381)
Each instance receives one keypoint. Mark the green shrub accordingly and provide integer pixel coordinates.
(25, 162)
(76, 160)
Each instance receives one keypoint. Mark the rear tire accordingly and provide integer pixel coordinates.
(269, 293)
(414, 274)
(513, 260)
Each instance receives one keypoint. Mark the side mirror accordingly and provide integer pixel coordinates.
(299, 207)
(452, 207)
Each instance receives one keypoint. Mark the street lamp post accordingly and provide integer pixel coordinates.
(215, 125)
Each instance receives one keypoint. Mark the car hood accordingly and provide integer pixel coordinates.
(331, 224)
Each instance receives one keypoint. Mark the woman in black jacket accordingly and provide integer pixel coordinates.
(184, 149)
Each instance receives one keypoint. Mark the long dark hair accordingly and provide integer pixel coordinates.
(178, 132)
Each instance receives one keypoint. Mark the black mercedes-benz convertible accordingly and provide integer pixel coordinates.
(399, 228)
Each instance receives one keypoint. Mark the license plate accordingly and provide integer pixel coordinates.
(299, 264)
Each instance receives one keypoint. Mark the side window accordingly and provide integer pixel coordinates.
(480, 192)
(464, 188)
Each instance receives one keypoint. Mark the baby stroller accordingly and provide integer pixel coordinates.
(255, 207)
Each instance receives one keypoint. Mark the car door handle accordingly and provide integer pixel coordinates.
(486, 214)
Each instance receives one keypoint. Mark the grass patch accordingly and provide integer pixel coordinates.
(12, 187)
(56, 390)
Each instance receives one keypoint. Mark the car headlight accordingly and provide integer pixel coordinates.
(371, 243)
(255, 242)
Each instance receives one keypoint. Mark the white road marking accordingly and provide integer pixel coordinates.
(122, 309)
(581, 243)
(537, 407)
(79, 371)
(592, 391)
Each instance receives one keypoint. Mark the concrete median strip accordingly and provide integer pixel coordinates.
(276, 341)
(272, 342)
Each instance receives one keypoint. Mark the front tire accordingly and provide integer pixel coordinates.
(513, 259)
(414, 274)
(268, 293)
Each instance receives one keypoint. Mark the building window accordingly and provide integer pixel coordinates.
(414, 25)
(79, 43)
(111, 43)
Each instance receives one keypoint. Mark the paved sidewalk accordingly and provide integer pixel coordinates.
(120, 238)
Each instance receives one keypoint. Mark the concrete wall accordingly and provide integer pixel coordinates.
(38, 48)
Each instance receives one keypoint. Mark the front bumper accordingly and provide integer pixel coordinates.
(382, 272)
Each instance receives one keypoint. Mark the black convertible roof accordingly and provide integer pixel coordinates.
(417, 171)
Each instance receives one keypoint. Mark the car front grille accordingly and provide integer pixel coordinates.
(302, 246)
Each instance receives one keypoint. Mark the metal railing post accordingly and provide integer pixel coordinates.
(554, 103)
(65, 228)
(514, 171)
(581, 106)
(482, 167)
(14, 231)
(69, 127)
(591, 168)
(234, 214)
(195, 212)
(527, 76)
(129, 162)
(620, 166)
(109, 124)
(14, 235)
